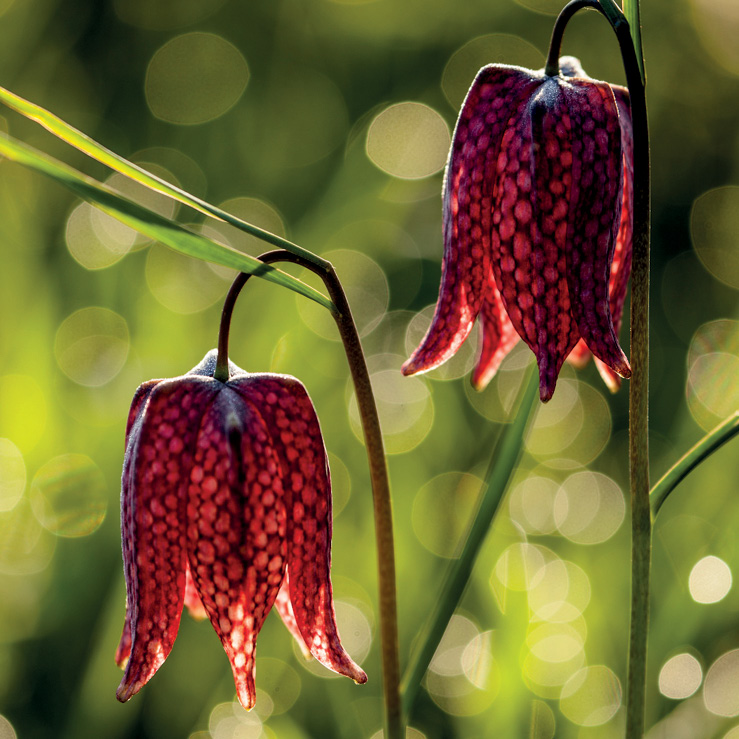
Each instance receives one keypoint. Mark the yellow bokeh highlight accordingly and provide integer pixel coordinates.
(719, 689)
(714, 223)
(710, 580)
(680, 676)
(182, 284)
(717, 24)
(408, 140)
(68, 496)
(92, 345)
(195, 78)
(713, 366)
(591, 697)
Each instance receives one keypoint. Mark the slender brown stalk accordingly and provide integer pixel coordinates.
(641, 515)
(377, 467)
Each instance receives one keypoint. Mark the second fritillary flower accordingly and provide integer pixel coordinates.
(537, 223)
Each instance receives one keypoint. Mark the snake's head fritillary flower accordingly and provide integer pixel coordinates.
(226, 509)
(537, 223)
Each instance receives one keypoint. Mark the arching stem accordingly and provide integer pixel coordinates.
(377, 466)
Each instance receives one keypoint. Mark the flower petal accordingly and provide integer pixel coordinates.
(594, 215)
(285, 609)
(621, 265)
(236, 529)
(498, 336)
(156, 468)
(533, 193)
(468, 184)
(296, 434)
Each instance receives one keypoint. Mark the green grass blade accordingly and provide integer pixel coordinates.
(502, 465)
(151, 224)
(96, 151)
(691, 459)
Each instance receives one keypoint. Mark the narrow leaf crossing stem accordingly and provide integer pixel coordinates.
(500, 469)
(377, 466)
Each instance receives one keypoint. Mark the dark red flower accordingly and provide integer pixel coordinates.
(225, 491)
(537, 223)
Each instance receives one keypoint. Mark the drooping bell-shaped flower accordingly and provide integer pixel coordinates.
(226, 508)
(537, 223)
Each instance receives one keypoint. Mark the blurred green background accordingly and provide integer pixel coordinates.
(329, 121)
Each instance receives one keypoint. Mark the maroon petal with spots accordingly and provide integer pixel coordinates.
(595, 215)
(541, 197)
(468, 191)
(621, 265)
(498, 336)
(156, 468)
(296, 435)
(236, 529)
(213, 475)
(530, 224)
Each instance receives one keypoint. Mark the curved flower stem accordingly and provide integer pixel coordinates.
(500, 469)
(377, 466)
(641, 514)
(691, 459)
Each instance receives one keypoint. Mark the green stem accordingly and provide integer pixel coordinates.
(377, 467)
(691, 459)
(641, 514)
(633, 16)
(500, 469)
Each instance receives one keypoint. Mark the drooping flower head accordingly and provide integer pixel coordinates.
(537, 223)
(225, 508)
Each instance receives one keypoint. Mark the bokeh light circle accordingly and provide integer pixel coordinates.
(232, 721)
(680, 676)
(195, 78)
(182, 284)
(714, 223)
(404, 405)
(555, 653)
(26, 548)
(710, 580)
(12, 475)
(717, 25)
(408, 140)
(280, 682)
(589, 508)
(713, 366)
(68, 496)
(720, 694)
(6, 729)
(463, 678)
(591, 697)
(531, 504)
(92, 345)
